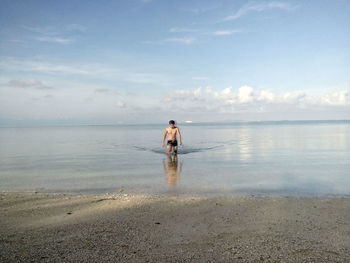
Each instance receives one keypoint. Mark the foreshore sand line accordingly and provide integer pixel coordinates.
(152, 228)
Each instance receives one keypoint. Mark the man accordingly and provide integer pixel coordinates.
(171, 132)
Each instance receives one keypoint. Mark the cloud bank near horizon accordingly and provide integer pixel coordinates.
(246, 95)
(32, 99)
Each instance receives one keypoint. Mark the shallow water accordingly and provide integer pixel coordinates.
(263, 159)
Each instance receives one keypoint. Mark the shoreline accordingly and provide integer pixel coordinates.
(177, 193)
(126, 227)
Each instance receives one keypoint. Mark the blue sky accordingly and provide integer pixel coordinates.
(152, 60)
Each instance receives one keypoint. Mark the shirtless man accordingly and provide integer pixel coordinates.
(171, 131)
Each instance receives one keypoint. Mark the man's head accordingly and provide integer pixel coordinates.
(172, 123)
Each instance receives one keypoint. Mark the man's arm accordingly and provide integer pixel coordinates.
(180, 136)
(165, 133)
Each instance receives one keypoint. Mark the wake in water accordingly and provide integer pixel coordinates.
(180, 150)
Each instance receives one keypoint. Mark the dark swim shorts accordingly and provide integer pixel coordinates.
(173, 143)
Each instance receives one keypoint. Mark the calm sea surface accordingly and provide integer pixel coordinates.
(308, 158)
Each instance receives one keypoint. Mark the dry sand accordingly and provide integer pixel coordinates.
(123, 228)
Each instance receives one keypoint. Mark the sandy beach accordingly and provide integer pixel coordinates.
(38, 227)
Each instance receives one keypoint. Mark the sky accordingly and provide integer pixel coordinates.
(149, 61)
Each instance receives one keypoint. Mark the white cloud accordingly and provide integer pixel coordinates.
(293, 97)
(86, 70)
(53, 30)
(52, 68)
(16, 41)
(248, 99)
(55, 34)
(259, 7)
(191, 39)
(28, 83)
(121, 104)
(245, 94)
(335, 98)
(59, 40)
(267, 96)
(225, 32)
(24, 83)
(219, 32)
(47, 30)
(40, 66)
(183, 40)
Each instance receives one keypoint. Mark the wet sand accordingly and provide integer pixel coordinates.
(131, 228)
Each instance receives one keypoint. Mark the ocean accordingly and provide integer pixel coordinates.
(282, 158)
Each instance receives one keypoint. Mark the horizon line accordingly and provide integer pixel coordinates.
(193, 123)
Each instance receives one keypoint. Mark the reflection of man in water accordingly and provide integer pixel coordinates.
(171, 132)
(172, 169)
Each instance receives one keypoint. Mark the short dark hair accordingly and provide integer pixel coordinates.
(172, 122)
